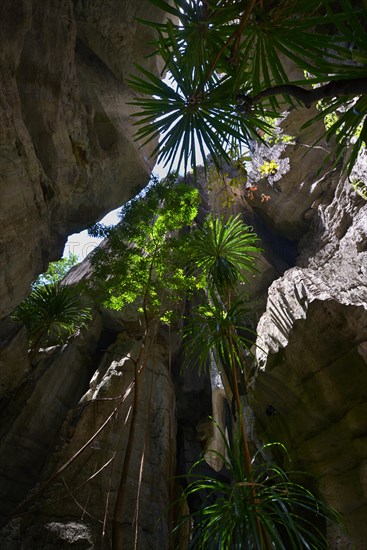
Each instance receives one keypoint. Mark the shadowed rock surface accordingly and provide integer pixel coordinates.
(67, 152)
(312, 359)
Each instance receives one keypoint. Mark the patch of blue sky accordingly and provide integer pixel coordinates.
(81, 244)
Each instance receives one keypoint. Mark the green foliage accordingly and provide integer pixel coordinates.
(269, 167)
(51, 313)
(56, 270)
(285, 510)
(259, 506)
(360, 187)
(223, 252)
(220, 54)
(145, 257)
(350, 123)
(207, 331)
(226, 188)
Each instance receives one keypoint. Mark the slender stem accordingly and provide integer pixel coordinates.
(36, 346)
(24, 505)
(241, 27)
(142, 463)
(246, 452)
(119, 504)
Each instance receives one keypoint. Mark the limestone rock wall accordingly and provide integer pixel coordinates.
(66, 147)
(68, 156)
(304, 179)
(312, 357)
(312, 337)
(82, 414)
(34, 410)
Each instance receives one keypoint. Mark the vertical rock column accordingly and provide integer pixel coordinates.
(82, 498)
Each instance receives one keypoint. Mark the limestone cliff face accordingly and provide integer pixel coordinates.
(312, 338)
(312, 359)
(67, 153)
(304, 179)
(67, 157)
(65, 435)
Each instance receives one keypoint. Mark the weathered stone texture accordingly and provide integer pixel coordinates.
(35, 409)
(14, 363)
(92, 480)
(67, 151)
(68, 157)
(309, 182)
(312, 360)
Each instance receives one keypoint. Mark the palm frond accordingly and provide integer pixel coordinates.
(286, 511)
(224, 252)
(186, 116)
(207, 330)
(349, 130)
(213, 59)
(52, 310)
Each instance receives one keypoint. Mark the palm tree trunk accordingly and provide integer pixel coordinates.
(246, 452)
(36, 346)
(119, 505)
(141, 360)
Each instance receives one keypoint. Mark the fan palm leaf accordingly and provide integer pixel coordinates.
(349, 130)
(229, 518)
(184, 116)
(208, 327)
(52, 310)
(224, 252)
(219, 52)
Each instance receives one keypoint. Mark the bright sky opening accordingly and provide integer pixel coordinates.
(81, 244)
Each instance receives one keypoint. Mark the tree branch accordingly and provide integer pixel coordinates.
(337, 88)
